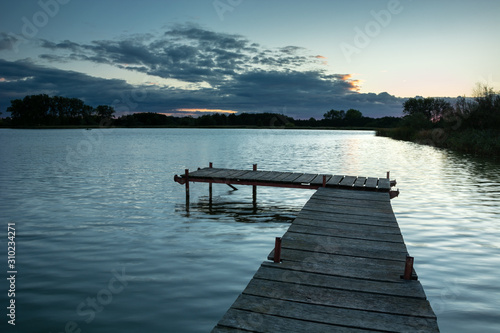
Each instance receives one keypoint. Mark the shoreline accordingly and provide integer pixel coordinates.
(478, 143)
(353, 128)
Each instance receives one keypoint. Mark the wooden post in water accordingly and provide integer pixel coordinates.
(254, 192)
(186, 176)
(408, 268)
(277, 250)
(210, 165)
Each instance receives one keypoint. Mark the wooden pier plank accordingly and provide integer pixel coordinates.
(305, 178)
(342, 231)
(348, 181)
(360, 182)
(250, 321)
(384, 184)
(347, 210)
(378, 206)
(342, 246)
(318, 180)
(239, 174)
(291, 177)
(335, 221)
(273, 176)
(226, 173)
(205, 172)
(371, 182)
(280, 178)
(330, 315)
(340, 298)
(334, 180)
(342, 193)
(328, 219)
(346, 273)
(254, 175)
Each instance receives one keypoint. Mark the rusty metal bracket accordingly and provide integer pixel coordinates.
(277, 250)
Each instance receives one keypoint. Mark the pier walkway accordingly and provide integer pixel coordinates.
(342, 266)
(283, 179)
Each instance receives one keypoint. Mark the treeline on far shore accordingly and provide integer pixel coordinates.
(472, 125)
(42, 111)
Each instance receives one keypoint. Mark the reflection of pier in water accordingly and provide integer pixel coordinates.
(244, 211)
(342, 266)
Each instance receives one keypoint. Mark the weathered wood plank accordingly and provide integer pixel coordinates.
(346, 210)
(340, 298)
(371, 182)
(305, 178)
(333, 315)
(255, 175)
(348, 181)
(341, 231)
(345, 249)
(271, 176)
(347, 273)
(222, 329)
(342, 193)
(318, 180)
(241, 173)
(350, 210)
(331, 244)
(205, 172)
(264, 323)
(341, 217)
(344, 272)
(334, 180)
(370, 197)
(377, 206)
(384, 184)
(291, 177)
(283, 176)
(367, 227)
(228, 173)
(360, 182)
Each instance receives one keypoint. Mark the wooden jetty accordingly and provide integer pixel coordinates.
(342, 266)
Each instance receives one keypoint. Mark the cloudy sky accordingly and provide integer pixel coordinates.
(299, 58)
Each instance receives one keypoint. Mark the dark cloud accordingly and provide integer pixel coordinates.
(186, 53)
(8, 41)
(235, 73)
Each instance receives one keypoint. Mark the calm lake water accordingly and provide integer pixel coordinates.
(104, 244)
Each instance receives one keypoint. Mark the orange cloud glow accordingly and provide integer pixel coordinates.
(195, 112)
(355, 84)
(324, 62)
(206, 110)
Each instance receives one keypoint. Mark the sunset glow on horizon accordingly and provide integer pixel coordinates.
(205, 110)
(196, 112)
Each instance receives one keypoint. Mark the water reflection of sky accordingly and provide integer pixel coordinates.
(119, 206)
